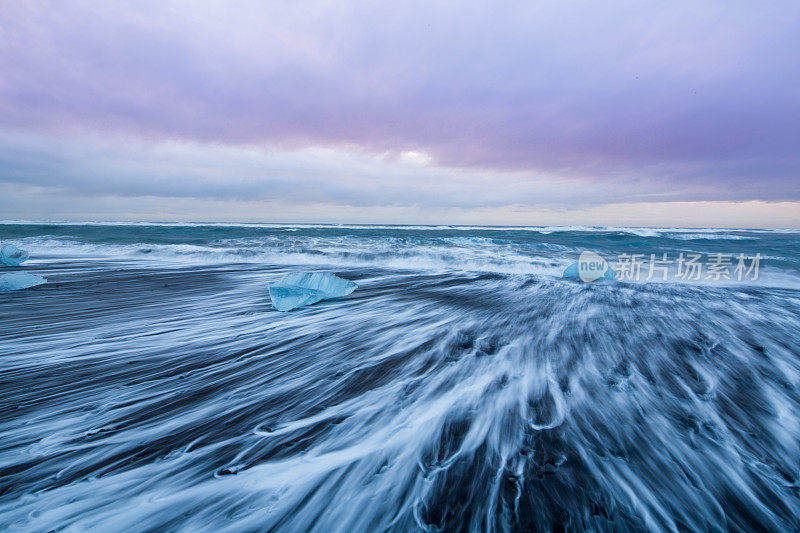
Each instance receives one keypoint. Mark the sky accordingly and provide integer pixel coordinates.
(643, 113)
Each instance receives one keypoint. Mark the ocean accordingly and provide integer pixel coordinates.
(466, 385)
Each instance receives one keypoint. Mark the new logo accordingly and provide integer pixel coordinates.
(589, 267)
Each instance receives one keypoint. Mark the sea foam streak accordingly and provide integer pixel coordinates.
(162, 391)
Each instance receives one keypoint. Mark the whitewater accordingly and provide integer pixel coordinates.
(465, 385)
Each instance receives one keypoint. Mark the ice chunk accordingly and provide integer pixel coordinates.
(332, 285)
(573, 272)
(10, 255)
(297, 289)
(288, 298)
(19, 280)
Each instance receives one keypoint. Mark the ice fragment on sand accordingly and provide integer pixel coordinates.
(10, 255)
(297, 289)
(332, 285)
(572, 272)
(288, 298)
(19, 280)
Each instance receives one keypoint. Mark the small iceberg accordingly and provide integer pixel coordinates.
(589, 267)
(16, 281)
(297, 289)
(12, 256)
(288, 298)
(573, 272)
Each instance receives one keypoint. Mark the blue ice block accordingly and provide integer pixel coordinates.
(297, 289)
(15, 281)
(10, 255)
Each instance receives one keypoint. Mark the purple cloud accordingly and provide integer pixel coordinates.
(703, 98)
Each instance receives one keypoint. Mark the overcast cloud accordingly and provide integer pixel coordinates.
(464, 105)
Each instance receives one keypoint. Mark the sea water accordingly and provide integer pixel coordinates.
(466, 384)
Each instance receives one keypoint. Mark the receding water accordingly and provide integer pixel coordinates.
(149, 385)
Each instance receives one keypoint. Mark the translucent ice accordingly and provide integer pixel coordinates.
(10, 255)
(297, 289)
(19, 280)
(288, 298)
(572, 272)
(332, 285)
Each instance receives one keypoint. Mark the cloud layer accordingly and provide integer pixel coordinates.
(532, 103)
